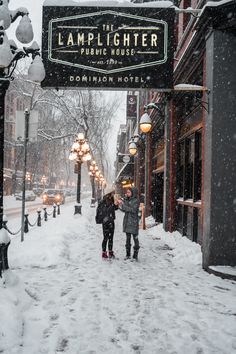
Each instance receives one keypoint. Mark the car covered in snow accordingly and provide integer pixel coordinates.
(51, 196)
(30, 196)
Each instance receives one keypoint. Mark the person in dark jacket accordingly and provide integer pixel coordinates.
(130, 206)
(108, 225)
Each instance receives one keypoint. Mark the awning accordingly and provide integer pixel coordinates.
(126, 172)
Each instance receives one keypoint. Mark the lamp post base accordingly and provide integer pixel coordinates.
(78, 209)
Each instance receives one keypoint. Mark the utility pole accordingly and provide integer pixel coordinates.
(26, 139)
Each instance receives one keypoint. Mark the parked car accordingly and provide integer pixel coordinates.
(51, 196)
(38, 191)
(30, 196)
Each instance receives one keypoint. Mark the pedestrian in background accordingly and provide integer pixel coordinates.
(130, 206)
(106, 215)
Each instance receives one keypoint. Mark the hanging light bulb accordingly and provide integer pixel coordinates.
(85, 146)
(75, 146)
(132, 148)
(88, 156)
(24, 31)
(36, 70)
(5, 52)
(145, 123)
(81, 136)
(5, 16)
(72, 156)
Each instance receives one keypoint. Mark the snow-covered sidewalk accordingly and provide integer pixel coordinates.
(61, 297)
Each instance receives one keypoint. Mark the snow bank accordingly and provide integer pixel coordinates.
(13, 299)
(4, 237)
(183, 250)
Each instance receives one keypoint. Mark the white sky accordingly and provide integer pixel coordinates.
(35, 13)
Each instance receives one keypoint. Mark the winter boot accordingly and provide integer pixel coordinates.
(104, 255)
(111, 254)
(127, 254)
(135, 255)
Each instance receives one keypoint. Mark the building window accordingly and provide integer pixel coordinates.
(189, 177)
(189, 171)
(198, 166)
(189, 162)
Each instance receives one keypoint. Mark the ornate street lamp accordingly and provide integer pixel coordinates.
(9, 56)
(145, 123)
(132, 147)
(80, 152)
(93, 168)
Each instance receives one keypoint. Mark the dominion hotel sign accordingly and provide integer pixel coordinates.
(108, 47)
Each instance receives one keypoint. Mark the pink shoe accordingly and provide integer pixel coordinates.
(104, 255)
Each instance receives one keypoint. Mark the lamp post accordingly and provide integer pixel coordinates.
(99, 190)
(93, 168)
(80, 152)
(28, 180)
(145, 125)
(9, 56)
(43, 181)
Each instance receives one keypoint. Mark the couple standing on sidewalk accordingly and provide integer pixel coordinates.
(106, 215)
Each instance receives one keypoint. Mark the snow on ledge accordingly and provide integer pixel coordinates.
(216, 3)
(224, 269)
(161, 4)
(189, 87)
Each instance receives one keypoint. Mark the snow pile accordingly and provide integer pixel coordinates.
(13, 300)
(4, 237)
(183, 250)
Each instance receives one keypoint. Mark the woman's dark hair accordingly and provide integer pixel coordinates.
(129, 189)
(109, 198)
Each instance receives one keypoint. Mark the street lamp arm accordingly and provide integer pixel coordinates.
(19, 54)
(153, 105)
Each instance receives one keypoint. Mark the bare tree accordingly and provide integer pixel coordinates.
(62, 115)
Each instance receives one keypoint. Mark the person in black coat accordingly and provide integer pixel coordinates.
(108, 207)
(130, 206)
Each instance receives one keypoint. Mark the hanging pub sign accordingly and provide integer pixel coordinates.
(132, 107)
(108, 47)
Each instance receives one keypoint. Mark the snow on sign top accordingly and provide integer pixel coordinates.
(161, 4)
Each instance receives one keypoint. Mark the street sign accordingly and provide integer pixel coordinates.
(33, 125)
(108, 47)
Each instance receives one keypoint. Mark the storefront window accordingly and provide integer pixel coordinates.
(189, 172)
(198, 166)
(189, 162)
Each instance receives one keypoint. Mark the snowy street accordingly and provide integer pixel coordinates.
(60, 296)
